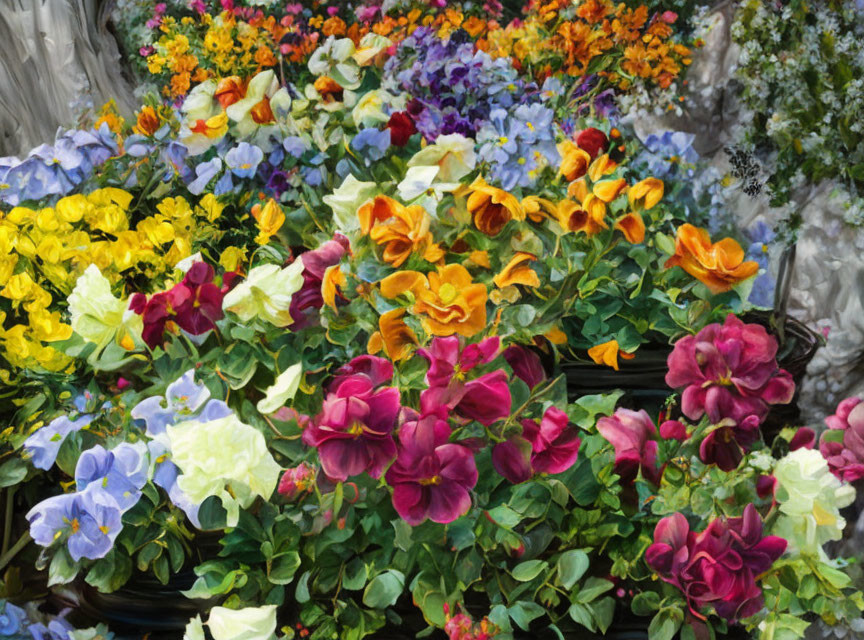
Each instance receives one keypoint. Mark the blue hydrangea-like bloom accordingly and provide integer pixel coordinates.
(204, 173)
(669, 153)
(761, 236)
(243, 160)
(184, 399)
(44, 444)
(120, 472)
(90, 520)
(371, 144)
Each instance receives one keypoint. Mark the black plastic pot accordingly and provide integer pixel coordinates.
(643, 378)
(142, 606)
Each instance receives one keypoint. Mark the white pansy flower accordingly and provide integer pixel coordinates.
(453, 154)
(224, 458)
(810, 499)
(421, 180)
(99, 317)
(282, 390)
(345, 201)
(266, 294)
(251, 623)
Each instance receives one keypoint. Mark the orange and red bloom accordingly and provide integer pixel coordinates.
(719, 266)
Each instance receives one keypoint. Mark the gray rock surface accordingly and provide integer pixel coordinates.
(58, 57)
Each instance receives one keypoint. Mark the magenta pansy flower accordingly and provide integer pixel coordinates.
(354, 431)
(485, 398)
(431, 477)
(843, 444)
(728, 371)
(378, 370)
(725, 445)
(549, 447)
(632, 434)
(525, 364)
(718, 567)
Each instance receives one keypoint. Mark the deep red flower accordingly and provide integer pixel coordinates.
(592, 141)
(718, 567)
(431, 477)
(526, 365)
(309, 299)
(401, 127)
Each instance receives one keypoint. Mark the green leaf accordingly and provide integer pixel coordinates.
(384, 589)
(284, 567)
(301, 593)
(12, 472)
(62, 569)
(604, 612)
(212, 514)
(665, 624)
(582, 615)
(504, 516)
(645, 603)
(526, 571)
(111, 572)
(572, 565)
(524, 612)
(592, 588)
(354, 577)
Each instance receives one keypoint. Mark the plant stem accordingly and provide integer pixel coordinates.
(7, 522)
(7, 557)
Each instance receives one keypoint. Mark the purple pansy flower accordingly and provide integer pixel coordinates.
(243, 160)
(184, 399)
(44, 444)
(549, 447)
(120, 472)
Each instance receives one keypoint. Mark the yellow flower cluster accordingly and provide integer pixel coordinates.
(195, 49)
(43, 251)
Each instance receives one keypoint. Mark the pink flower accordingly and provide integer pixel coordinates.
(843, 444)
(431, 477)
(525, 364)
(673, 430)
(728, 371)
(296, 481)
(804, 438)
(199, 6)
(354, 431)
(718, 567)
(631, 433)
(550, 447)
(378, 370)
(485, 399)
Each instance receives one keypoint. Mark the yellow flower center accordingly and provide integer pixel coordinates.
(447, 293)
(74, 525)
(822, 517)
(434, 480)
(356, 429)
(104, 529)
(530, 125)
(503, 140)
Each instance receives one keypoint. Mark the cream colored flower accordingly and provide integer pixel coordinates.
(345, 201)
(453, 154)
(223, 458)
(282, 390)
(251, 623)
(266, 294)
(810, 499)
(99, 317)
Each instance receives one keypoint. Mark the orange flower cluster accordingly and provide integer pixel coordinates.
(573, 36)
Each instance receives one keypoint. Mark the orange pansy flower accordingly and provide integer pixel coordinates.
(646, 193)
(230, 90)
(402, 230)
(632, 226)
(605, 353)
(448, 300)
(396, 336)
(719, 266)
(147, 122)
(492, 208)
(517, 271)
(574, 161)
(574, 217)
(270, 219)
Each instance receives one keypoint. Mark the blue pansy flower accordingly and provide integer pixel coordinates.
(12, 618)
(165, 474)
(243, 160)
(44, 444)
(90, 520)
(371, 144)
(204, 173)
(295, 146)
(761, 236)
(183, 400)
(120, 472)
